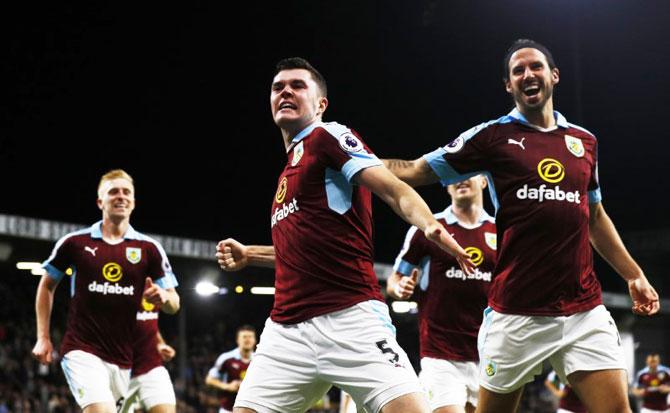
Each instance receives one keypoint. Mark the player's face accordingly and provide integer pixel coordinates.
(531, 81)
(468, 189)
(295, 99)
(246, 340)
(653, 362)
(116, 198)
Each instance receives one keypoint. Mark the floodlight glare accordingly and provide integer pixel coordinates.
(263, 290)
(206, 288)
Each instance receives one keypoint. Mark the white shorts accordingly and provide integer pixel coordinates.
(449, 383)
(148, 390)
(354, 349)
(645, 410)
(93, 380)
(512, 347)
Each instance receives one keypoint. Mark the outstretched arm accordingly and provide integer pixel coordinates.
(411, 207)
(414, 173)
(233, 255)
(606, 240)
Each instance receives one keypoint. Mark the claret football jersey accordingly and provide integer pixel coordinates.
(543, 183)
(322, 226)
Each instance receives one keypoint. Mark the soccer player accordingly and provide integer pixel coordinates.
(451, 302)
(653, 386)
(114, 268)
(545, 301)
(231, 367)
(329, 324)
(568, 402)
(150, 386)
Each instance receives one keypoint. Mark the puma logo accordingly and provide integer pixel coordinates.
(91, 250)
(520, 143)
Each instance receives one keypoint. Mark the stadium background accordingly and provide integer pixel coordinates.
(178, 96)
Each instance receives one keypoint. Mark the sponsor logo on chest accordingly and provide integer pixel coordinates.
(551, 171)
(282, 211)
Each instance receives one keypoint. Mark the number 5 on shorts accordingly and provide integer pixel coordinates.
(383, 347)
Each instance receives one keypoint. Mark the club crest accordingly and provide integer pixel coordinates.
(575, 145)
(134, 255)
(491, 240)
(298, 151)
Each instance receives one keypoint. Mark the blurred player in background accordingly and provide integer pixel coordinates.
(150, 388)
(652, 385)
(451, 302)
(568, 401)
(231, 367)
(545, 301)
(329, 324)
(113, 268)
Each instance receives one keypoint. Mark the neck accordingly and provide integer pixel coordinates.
(114, 228)
(290, 132)
(466, 211)
(246, 354)
(541, 117)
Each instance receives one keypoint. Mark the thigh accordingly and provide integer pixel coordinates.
(283, 375)
(513, 347)
(445, 382)
(491, 402)
(602, 391)
(88, 378)
(358, 353)
(156, 389)
(592, 343)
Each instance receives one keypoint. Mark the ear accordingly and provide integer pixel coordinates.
(485, 181)
(323, 104)
(508, 86)
(99, 203)
(554, 75)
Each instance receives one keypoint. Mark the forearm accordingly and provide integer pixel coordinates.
(43, 306)
(261, 255)
(414, 173)
(216, 383)
(172, 304)
(409, 205)
(637, 391)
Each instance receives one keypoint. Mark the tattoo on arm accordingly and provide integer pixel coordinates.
(396, 164)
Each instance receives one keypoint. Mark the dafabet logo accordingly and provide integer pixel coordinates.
(552, 171)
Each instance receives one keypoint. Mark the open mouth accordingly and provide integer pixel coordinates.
(531, 90)
(287, 105)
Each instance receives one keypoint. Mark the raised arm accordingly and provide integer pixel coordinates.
(233, 255)
(414, 173)
(607, 242)
(411, 207)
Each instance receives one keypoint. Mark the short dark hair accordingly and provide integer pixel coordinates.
(523, 44)
(300, 63)
(245, 327)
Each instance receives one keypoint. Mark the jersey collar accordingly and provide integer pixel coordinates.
(303, 134)
(96, 232)
(561, 122)
(451, 219)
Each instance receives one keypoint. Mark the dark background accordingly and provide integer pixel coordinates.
(178, 95)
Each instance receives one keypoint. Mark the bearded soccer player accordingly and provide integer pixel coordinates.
(329, 324)
(451, 302)
(545, 301)
(113, 268)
